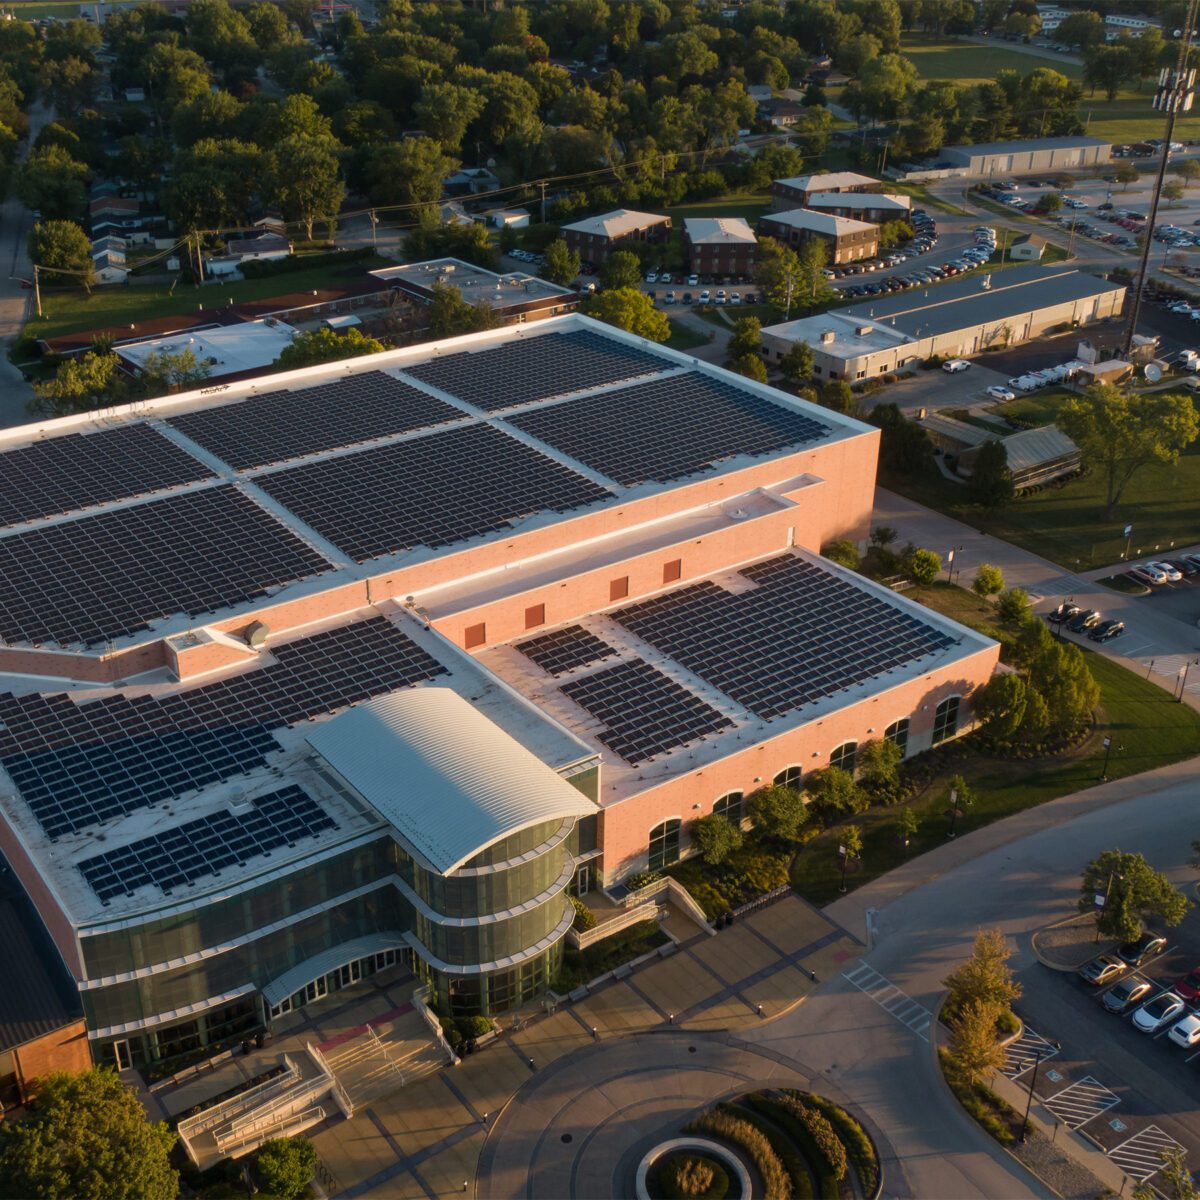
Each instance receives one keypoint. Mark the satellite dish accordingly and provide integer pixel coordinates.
(1153, 372)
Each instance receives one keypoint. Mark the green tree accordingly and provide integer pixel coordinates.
(885, 87)
(1172, 191)
(974, 1041)
(716, 837)
(850, 840)
(1188, 170)
(1119, 434)
(51, 182)
(777, 812)
(1000, 705)
(879, 767)
(835, 793)
(1109, 68)
(906, 447)
(631, 310)
(780, 275)
(86, 1137)
(562, 264)
(409, 172)
(989, 581)
(796, 365)
(1083, 29)
(166, 371)
(451, 315)
(1048, 203)
(985, 977)
(305, 180)
(1143, 893)
(1060, 675)
(747, 337)
(621, 269)
(749, 365)
(81, 383)
(922, 566)
(325, 345)
(284, 1166)
(1126, 174)
(838, 395)
(62, 245)
(843, 552)
(991, 483)
(906, 825)
(1013, 607)
(445, 110)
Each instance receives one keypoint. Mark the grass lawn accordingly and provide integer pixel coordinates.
(1139, 716)
(684, 337)
(1067, 524)
(750, 205)
(926, 199)
(1038, 408)
(71, 311)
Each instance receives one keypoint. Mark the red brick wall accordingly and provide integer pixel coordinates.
(59, 927)
(66, 1049)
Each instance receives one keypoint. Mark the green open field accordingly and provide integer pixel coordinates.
(1140, 717)
(1127, 118)
(1066, 524)
(72, 310)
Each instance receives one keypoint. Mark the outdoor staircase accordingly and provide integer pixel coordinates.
(372, 1065)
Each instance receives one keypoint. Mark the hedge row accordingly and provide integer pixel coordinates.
(722, 1123)
(778, 1111)
(674, 1184)
(797, 1169)
(858, 1145)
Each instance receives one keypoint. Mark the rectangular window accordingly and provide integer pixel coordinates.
(535, 615)
(475, 635)
(672, 570)
(618, 589)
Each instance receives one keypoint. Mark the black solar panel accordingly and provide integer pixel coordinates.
(803, 633)
(565, 649)
(286, 424)
(536, 368)
(97, 577)
(644, 712)
(207, 845)
(80, 764)
(77, 471)
(430, 491)
(667, 428)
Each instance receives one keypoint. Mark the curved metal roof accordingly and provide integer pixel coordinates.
(447, 779)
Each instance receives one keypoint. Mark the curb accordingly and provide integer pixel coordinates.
(1047, 962)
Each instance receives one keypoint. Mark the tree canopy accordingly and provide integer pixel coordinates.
(1130, 892)
(631, 310)
(325, 345)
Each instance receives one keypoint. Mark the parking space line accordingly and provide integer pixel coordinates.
(1081, 1102)
(1025, 1051)
(872, 984)
(1140, 1156)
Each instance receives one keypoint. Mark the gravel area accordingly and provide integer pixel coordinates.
(1071, 944)
(1057, 1170)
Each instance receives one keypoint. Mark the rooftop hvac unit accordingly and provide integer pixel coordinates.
(863, 330)
(827, 336)
(256, 635)
(448, 268)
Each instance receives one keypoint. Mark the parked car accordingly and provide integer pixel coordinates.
(955, 365)
(1172, 572)
(1103, 969)
(705, 297)
(1185, 566)
(1189, 986)
(1107, 631)
(996, 392)
(1147, 946)
(1147, 573)
(1186, 1033)
(693, 281)
(1125, 993)
(1084, 620)
(1162, 1010)
(1064, 612)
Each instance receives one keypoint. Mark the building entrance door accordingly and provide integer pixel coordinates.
(121, 1054)
(583, 880)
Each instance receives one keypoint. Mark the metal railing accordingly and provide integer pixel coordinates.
(581, 939)
(252, 1097)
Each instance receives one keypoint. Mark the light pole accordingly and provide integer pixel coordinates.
(1037, 1062)
(1183, 682)
(1107, 751)
(1062, 614)
(953, 811)
(1114, 874)
(845, 861)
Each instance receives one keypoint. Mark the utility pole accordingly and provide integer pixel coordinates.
(542, 185)
(1174, 95)
(37, 290)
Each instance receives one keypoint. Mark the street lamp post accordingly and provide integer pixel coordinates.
(1062, 612)
(1104, 768)
(1037, 1062)
(1103, 901)
(953, 811)
(845, 860)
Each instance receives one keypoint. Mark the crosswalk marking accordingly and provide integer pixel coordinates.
(895, 1002)
(1138, 1156)
(1025, 1051)
(1172, 665)
(1081, 1102)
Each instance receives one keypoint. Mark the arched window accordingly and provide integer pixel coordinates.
(788, 777)
(730, 806)
(897, 732)
(664, 844)
(945, 720)
(845, 756)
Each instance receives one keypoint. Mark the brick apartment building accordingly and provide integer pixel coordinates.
(794, 192)
(719, 245)
(847, 240)
(595, 238)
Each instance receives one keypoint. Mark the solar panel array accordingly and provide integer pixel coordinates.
(112, 573)
(803, 633)
(79, 764)
(430, 491)
(644, 712)
(280, 425)
(77, 471)
(664, 429)
(207, 845)
(565, 649)
(536, 368)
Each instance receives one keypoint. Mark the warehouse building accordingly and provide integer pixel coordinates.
(374, 664)
(795, 192)
(953, 320)
(595, 238)
(846, 240)
(1037, 154)
(719, 245)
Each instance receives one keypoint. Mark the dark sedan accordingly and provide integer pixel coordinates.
(1124, 994)
(1104, 969)
(1084, 620)
(1146, 947)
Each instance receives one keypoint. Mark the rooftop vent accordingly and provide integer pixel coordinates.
(827, 336)
(256, 635)
(863, 330)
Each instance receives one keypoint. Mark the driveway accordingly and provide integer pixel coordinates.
(939, 389)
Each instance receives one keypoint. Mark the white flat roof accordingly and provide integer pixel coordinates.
(446, 778)
(718, 231)
(474, 283)
(851, 338)
(225, 349)
(818, 222)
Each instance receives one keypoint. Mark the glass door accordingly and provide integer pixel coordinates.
(122, 1055)
(583, 880)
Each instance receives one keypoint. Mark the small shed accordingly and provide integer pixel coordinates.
(1034, 456)
(1028, 248)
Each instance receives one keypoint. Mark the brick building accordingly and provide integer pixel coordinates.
(595, 238)
(719, 245)
(847, 240)
(794, 192)
(875, 207)
(309, 612)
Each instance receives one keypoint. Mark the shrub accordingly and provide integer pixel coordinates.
(687, 1177)
(585, 919)
(262, 268)
(740, 1129)
(843, 552)
(474, 1027)
(285, 1166)
(641, 879)
(777, 1112)
(988, 1110)
(822, 1134)
(858, 1144)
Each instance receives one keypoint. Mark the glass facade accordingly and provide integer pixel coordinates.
(897, 732)
(945, 720)
(664, 844)
(845, 756)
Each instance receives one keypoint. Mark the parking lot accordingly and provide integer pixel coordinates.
(1129, 1092)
